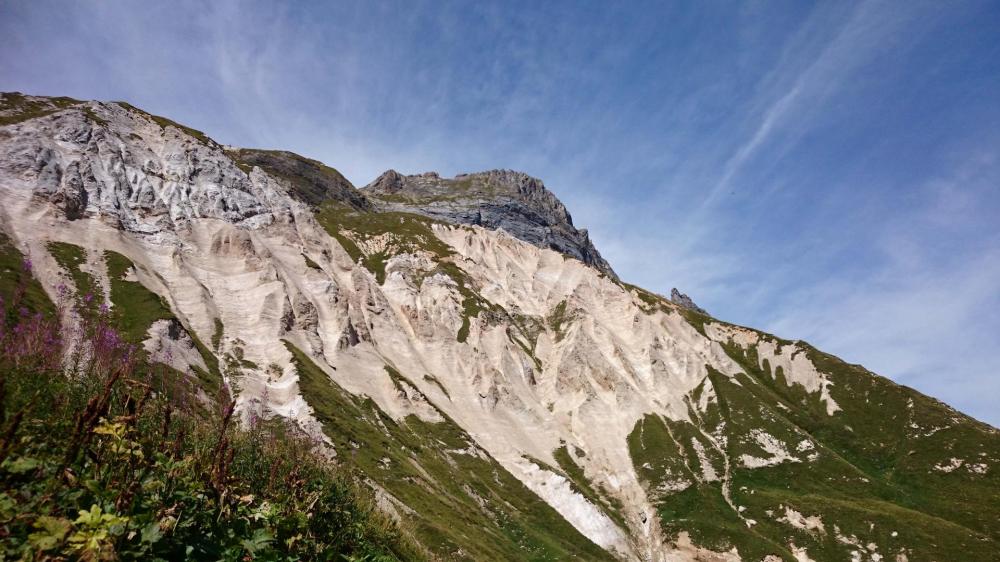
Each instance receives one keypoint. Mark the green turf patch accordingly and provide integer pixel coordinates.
(164, 123)
(18, 284)
(16, 107)
(70, 257)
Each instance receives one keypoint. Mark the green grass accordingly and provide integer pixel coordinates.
(17, 107)
(872, 475)
(466, 507)
(557, 318)
(433, 380)
(163, 122)
(135, 306)
(17, 282)
(70, 257)
(651, 302)
(94, 117)
(311, 264)
(220, 329)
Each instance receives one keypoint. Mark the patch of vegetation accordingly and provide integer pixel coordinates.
(656, 456)
(135, 306)
(116, 463)
(467, 506)
(695, 318)
(17, 284)
(557, 318)
(651, 302)
(220, 329)
(15, 107)
(397, 379)
(163, 122)
(211, 380)
(311, 181)
(311, 264)
(70, 257)
(95, 117)
(703, 513)
(433, 380)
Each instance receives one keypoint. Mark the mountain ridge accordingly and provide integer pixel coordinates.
(514, 201)
(461, 369)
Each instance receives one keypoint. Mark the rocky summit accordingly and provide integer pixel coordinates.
(498, 199)
(465, 351)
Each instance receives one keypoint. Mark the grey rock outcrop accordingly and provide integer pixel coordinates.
(143, 173)
(514, 201)
(681, 299)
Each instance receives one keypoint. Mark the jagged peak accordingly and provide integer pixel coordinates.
(514, 201)
(390, 181)
(484, 182)
(682, 300)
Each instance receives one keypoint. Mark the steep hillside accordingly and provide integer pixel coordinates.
(466, 351)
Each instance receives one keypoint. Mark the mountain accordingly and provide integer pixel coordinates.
(465, 350)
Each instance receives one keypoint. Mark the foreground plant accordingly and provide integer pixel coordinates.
(106, 457)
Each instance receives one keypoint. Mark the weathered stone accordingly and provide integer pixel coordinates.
(497, 199)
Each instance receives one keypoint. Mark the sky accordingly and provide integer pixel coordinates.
(827, 172)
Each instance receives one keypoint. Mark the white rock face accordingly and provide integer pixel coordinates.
(585, 516)
(790, 358)
(772, 446)
(799, 521)
(224, 246)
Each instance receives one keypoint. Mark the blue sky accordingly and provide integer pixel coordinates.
(826, 172)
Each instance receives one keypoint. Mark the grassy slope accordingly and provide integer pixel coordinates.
(468, 506)
(16, 278)
(135, 306)
(70, 257)
(163, 122)
(873, 476)
(17, 108)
